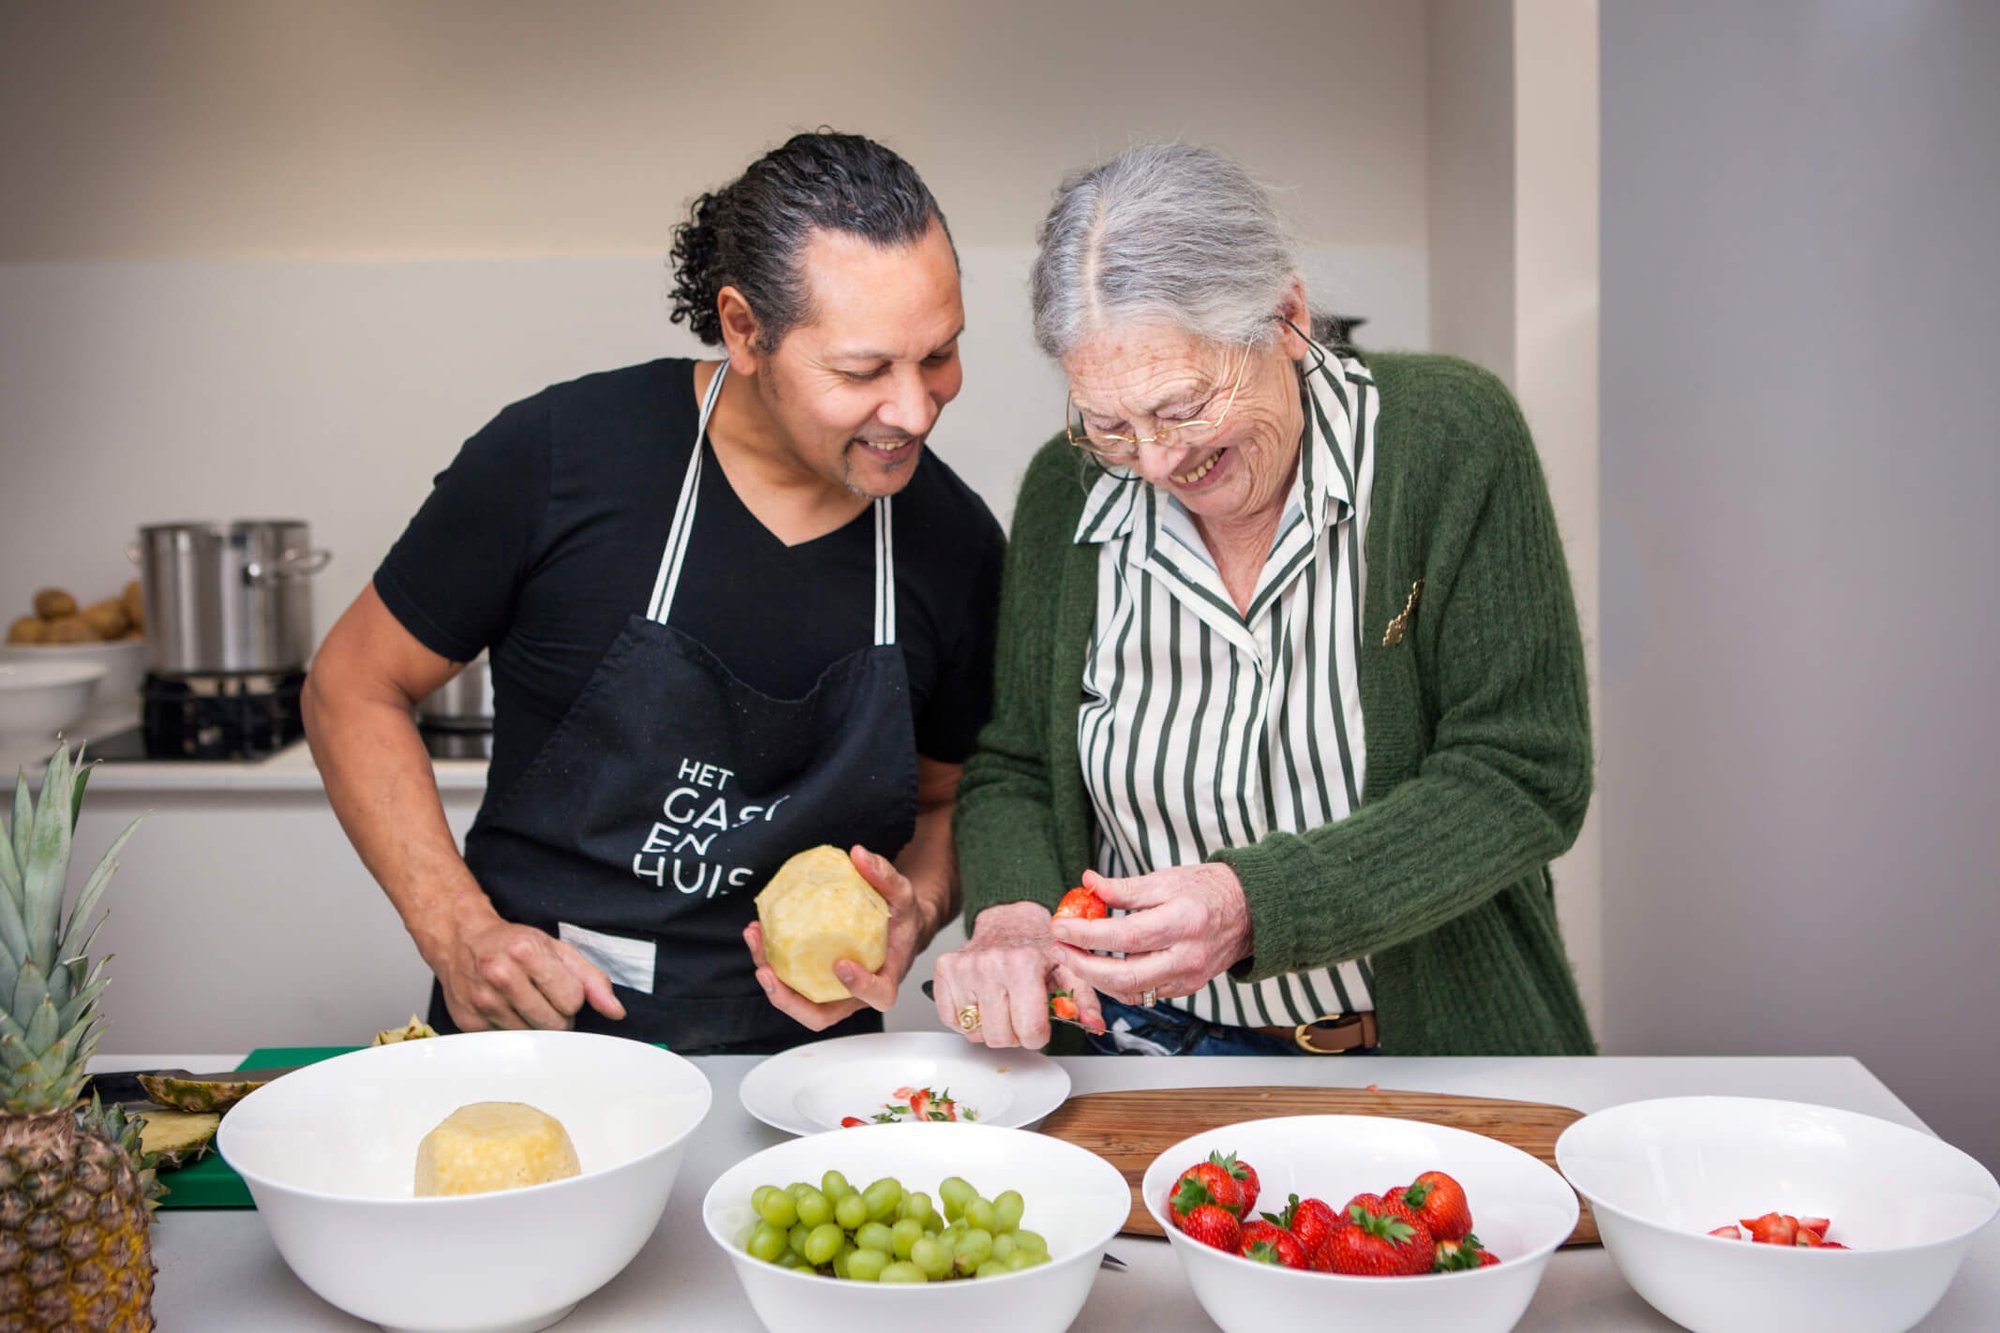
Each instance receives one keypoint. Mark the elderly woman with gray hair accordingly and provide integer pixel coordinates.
(1289, 672)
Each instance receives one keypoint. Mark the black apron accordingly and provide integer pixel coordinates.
(671, 792)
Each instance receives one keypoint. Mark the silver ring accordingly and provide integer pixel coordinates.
(1148, 998)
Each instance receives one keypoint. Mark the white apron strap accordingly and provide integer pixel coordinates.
(677, 536)
(675, 555)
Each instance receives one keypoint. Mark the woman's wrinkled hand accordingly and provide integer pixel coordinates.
(1008, 969)
(1182, 928)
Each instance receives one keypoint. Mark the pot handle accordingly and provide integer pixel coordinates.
(132, 552)
(294, 564)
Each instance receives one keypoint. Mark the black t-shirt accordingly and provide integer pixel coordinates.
(545, 534)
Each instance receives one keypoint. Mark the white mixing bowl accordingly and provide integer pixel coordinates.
(39, 699)
(1661, 1174)
(1521, 1211)
(1074, 1198)
(329, 1154)
(123, 660)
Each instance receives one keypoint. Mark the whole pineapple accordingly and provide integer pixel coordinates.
(74, 1248)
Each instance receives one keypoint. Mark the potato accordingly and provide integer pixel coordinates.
(71, 629)
(816, 909)
(107, 618)
(134, 603)
(28, 629)
(54, 604)
(493, 1146)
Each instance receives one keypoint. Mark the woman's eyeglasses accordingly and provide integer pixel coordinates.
(1193, 434)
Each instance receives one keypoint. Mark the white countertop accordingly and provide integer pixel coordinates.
(288, 770)
(218, 1269)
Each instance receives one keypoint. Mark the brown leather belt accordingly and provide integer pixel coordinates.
(1336, 1034)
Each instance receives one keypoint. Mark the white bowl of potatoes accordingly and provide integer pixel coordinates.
(331, 1156)
(109, 634)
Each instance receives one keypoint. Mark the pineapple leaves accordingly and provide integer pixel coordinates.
(24, 821)
(10, 868)
(48, 859)
(82, 781)
(93, 888)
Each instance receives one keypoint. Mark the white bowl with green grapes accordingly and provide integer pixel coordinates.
(969, 1227)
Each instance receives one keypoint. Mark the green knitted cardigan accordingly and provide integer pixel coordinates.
(1476, 726)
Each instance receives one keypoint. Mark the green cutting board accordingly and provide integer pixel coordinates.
(209, 1183)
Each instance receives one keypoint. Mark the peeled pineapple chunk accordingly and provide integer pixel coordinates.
(413, 1030)
(493, 1146)
(817, 909)
(175, 1138)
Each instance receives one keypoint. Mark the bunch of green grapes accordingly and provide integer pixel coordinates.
(886, 1233)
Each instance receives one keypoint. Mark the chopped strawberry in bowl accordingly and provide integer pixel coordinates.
(1736, 1214)
(1340, 1233)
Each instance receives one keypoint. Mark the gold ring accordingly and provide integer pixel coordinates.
(968, 1018)
(1148, 998)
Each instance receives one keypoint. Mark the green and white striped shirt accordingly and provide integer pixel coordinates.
(1202, 727)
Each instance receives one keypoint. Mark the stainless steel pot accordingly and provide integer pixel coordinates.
(228, 597)
(463, 703)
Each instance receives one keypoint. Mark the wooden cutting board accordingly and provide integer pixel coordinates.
(1130, 1129)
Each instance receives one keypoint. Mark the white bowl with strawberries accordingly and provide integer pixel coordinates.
(1733, 1214)
(1371, 1219)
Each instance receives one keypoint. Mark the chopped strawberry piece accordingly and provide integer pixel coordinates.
(850, 1121)
(1773, 1229)
(1819, 1224)
(1728, 1233)
(1081, 902)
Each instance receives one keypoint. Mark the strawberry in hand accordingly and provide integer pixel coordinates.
(1439, 1203)
(1081, 902)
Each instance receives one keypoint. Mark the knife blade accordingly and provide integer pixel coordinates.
(123, 1086)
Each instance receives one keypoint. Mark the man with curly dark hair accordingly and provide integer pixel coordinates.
(734, 610)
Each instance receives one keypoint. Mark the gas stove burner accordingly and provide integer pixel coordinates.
(220, 716)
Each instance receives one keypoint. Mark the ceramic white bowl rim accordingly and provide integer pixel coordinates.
(16, 674)
(1091, 1251)
(1607, 1121)
(447, 1201)
(1206, 1140)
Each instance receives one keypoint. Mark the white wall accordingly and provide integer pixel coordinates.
(1801, 302)
(1514, 268)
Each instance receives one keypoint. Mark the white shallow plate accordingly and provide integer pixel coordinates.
(807, 1089)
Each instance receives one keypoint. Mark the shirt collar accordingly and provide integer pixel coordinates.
(1324, 486)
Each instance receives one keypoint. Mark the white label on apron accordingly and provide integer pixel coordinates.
(628, 962)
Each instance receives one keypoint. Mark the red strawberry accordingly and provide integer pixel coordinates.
(1457, 1255)
(850, 1121)
(1818, 1224)
(1205, 1183)
(1439, 1203)
(1728, 1232)
(1773, 1229)
(1063, 1005)
(1081, 902)
(1212, 1226)
(1246, 1176)
(1311, 1220)
(1380, 1245)
(1268, 1243)
(1387, 1205)
(1809, 1239)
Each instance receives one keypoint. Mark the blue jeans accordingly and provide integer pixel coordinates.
(1164, 1030)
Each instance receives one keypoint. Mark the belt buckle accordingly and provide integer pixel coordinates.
(1303, 1034)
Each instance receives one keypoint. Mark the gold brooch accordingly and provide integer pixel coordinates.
(1394, 634)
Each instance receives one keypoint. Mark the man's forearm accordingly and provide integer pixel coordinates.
(383, 789)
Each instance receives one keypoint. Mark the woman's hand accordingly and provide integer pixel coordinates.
(1182, 927)
(871, 990)
(1008, 969)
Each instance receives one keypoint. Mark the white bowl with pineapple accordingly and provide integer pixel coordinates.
(356, 1165)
